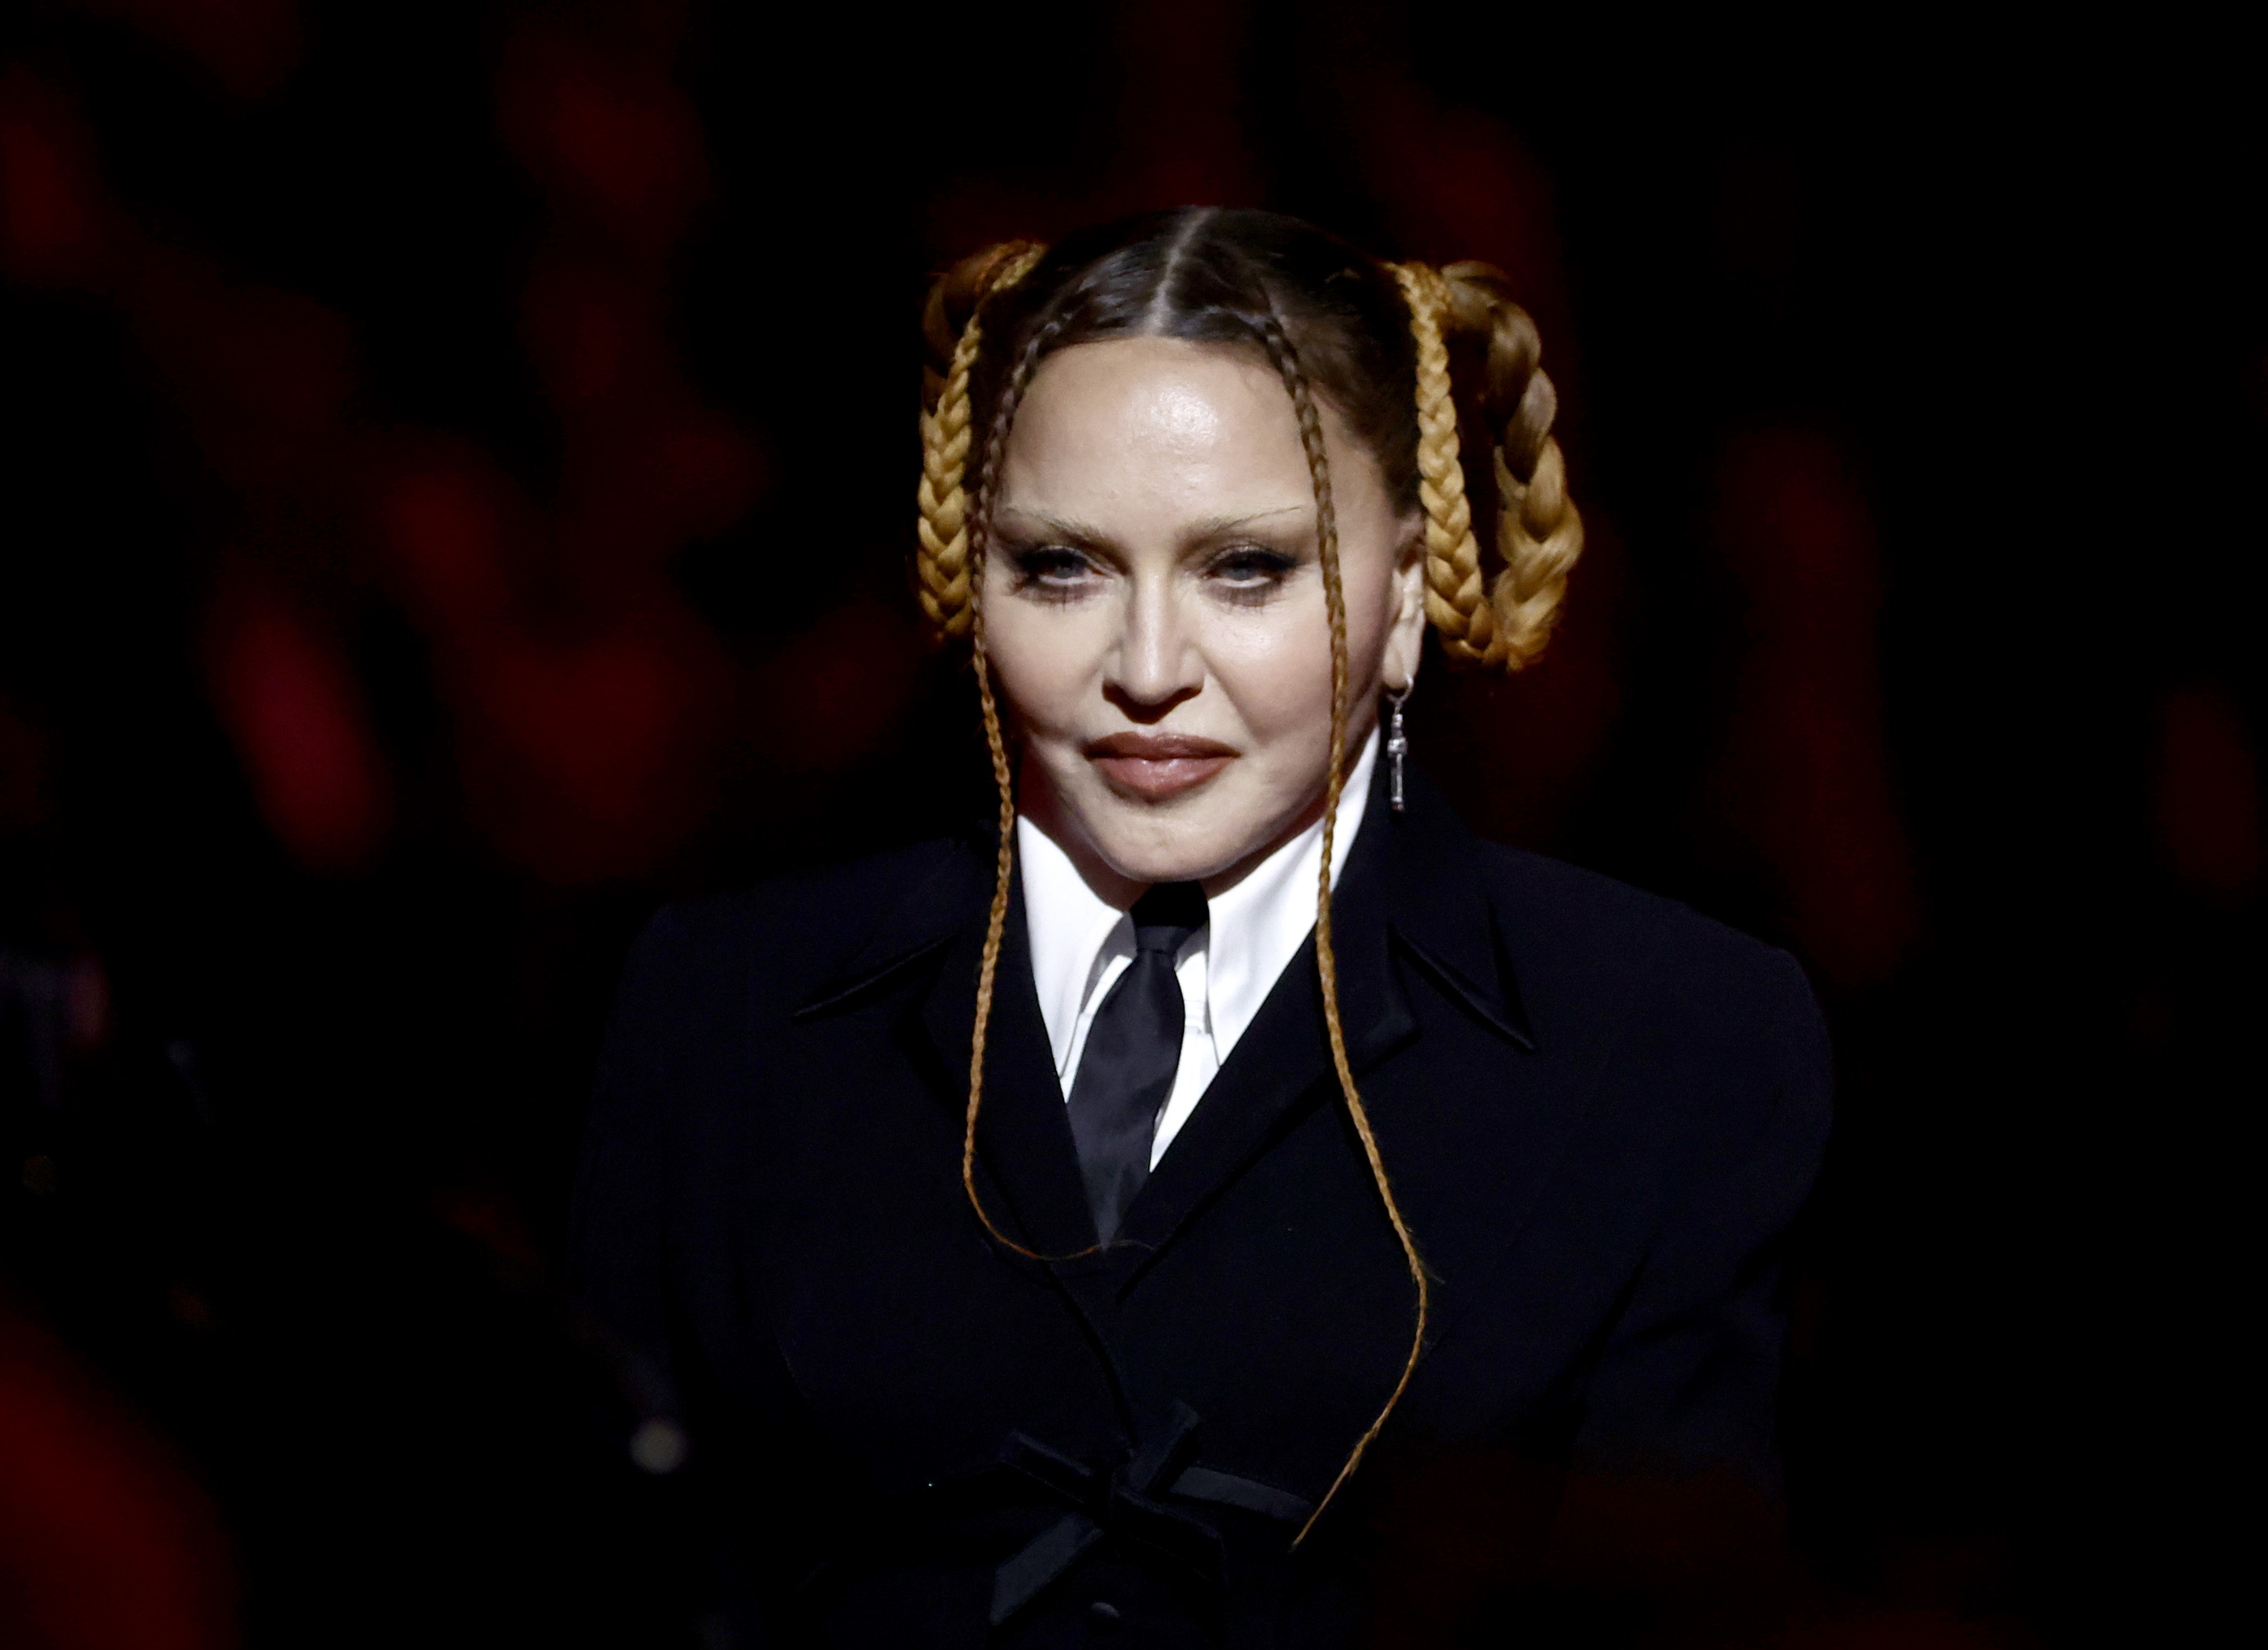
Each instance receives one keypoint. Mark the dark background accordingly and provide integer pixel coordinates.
(457, 473)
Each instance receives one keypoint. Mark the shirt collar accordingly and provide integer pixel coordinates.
(1258, 925)
(1070, 925)
(1253, 929)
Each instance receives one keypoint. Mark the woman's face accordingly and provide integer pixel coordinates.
(1154, 613)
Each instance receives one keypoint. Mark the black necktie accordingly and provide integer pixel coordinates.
(1126, 1072)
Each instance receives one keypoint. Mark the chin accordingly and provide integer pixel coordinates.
(1201, 838)
(1189, 836)
(1142, 856)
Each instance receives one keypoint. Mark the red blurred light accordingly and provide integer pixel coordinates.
(2208, 802)
(50, 194)
(1806, 777)
(288, 700)
(104, 1543)
(444, 521)
(609, 127)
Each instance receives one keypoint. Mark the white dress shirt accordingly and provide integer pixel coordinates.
(1081, 944)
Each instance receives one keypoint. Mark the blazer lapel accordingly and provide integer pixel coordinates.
(1023, 1136)
(1473, 1129)
(1440, 914)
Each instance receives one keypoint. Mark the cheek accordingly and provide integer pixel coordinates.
(1044, 661)
(1274, 665)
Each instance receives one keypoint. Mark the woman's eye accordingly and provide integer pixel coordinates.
(1052, 567)
(1252, 570)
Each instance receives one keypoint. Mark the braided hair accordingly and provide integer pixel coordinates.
(1377, 341)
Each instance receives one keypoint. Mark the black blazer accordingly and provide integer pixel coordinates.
(1600, 1111)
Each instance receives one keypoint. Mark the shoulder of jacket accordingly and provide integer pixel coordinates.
(796, 929)
(1566, 917)
(1714, 1034)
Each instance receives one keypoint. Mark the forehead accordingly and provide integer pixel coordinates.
(1154, 423)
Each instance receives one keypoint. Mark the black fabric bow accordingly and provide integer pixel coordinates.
(1126, 1503)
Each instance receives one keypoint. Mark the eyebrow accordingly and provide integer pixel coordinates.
(1062, 527)
(1086, 533)
(1213, 525)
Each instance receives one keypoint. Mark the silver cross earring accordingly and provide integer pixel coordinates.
(1397, 745)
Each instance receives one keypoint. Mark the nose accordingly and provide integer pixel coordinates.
(1155, 663)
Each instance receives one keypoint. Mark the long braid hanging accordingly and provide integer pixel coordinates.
(1003, 779)
(996, 922)
(1539, 535)
(1286, 362)
(954, 539)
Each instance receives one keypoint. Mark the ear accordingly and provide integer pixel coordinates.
(1406, 630)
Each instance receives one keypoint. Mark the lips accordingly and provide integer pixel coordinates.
(1158, 766)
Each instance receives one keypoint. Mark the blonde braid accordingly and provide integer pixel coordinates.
(1003, 866)
(1539, 533)
(942, 562)
(1455, 596)
(1284, 356)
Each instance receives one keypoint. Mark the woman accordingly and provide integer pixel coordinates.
(1146, 1221)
